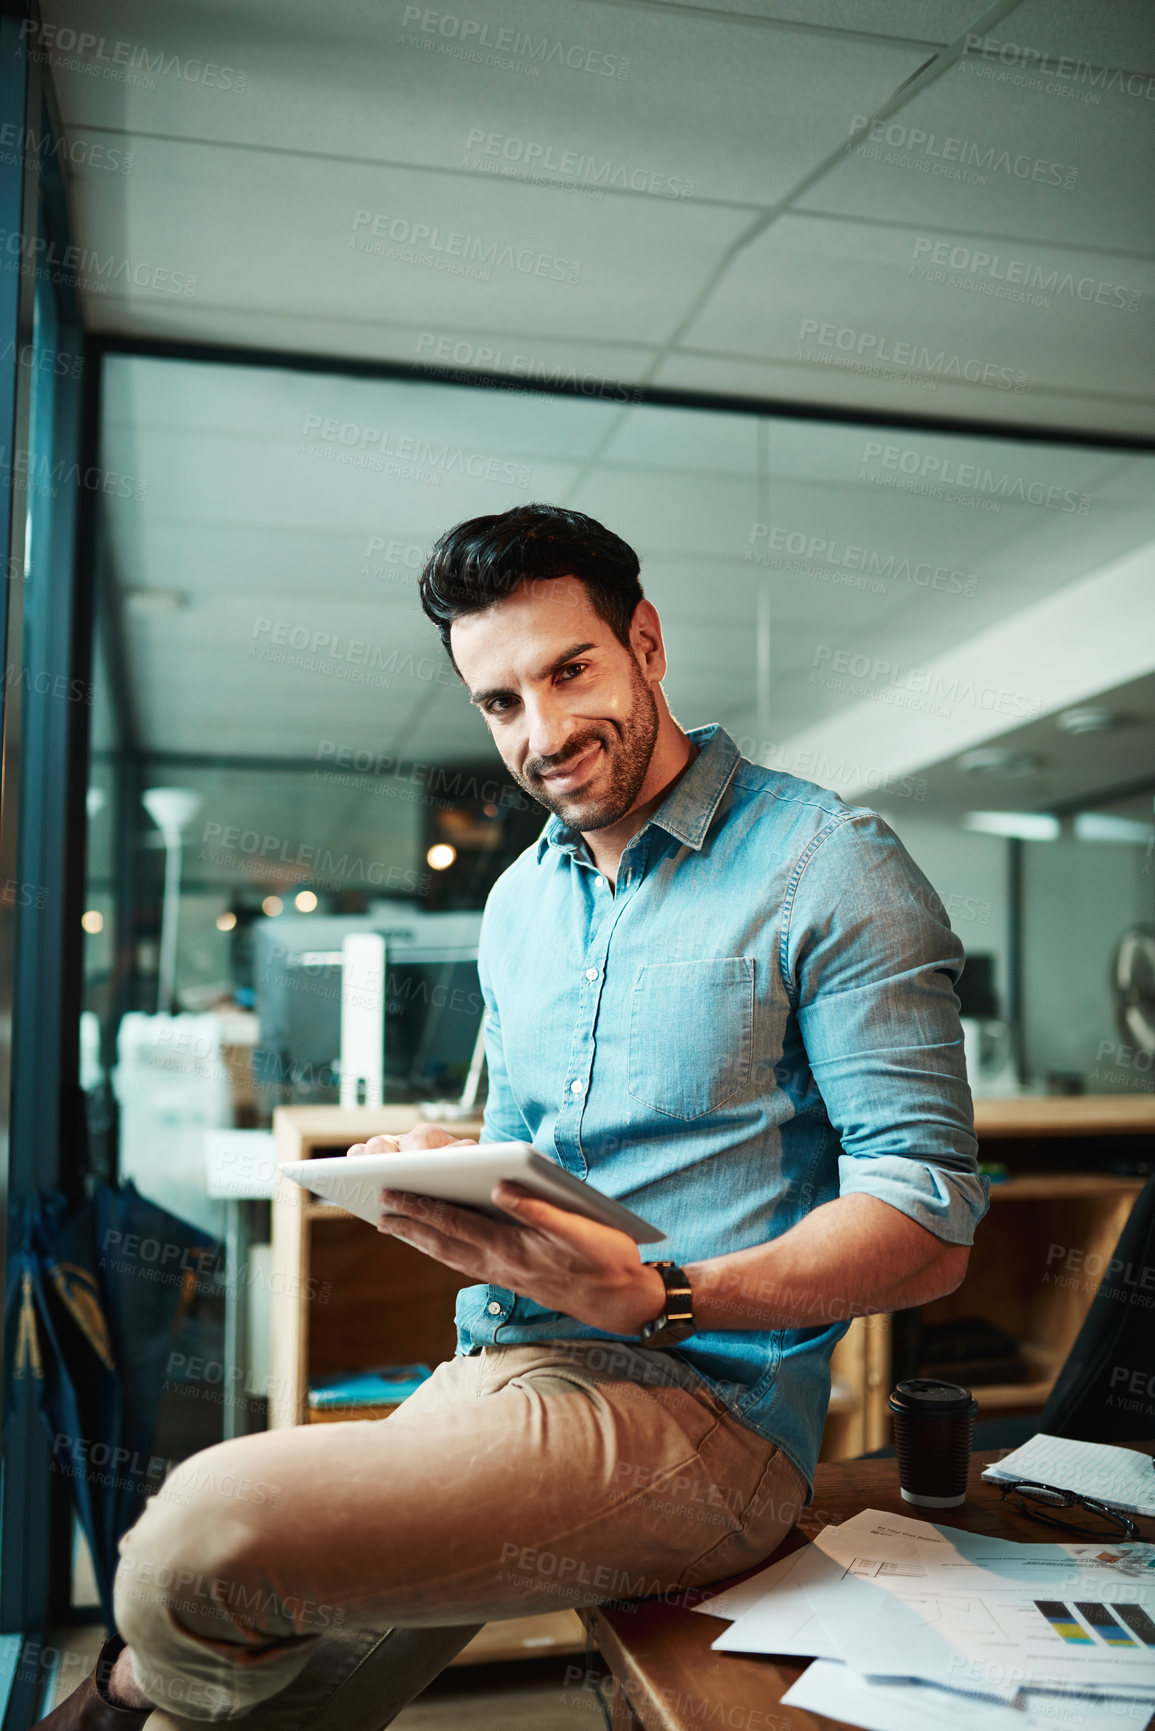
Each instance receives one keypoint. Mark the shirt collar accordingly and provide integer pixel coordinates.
(688, 811)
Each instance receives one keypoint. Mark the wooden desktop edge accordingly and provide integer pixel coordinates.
(1065, 1115)
(661, 1655)
(1012, 1115)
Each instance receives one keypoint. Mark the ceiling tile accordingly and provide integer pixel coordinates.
(929, 311)
(988, 159)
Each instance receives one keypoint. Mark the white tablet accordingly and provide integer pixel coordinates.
(464, 1175)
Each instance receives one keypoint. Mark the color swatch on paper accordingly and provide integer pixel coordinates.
(1064, 1622)
(1138, 1621)
(1103, 1624)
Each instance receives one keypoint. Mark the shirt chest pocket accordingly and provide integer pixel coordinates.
(691, 1034)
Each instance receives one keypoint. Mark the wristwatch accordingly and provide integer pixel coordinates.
(676, 1319)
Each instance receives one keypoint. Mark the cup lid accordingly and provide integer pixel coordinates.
(928, 1397)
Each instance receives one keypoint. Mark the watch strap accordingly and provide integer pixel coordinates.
(676, 1319)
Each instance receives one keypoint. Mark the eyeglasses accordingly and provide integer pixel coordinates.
(1039, 1501)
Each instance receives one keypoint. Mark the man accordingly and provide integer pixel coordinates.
(723, 997)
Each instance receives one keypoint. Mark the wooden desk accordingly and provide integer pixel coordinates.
(669, 1679)
(1065, 1115)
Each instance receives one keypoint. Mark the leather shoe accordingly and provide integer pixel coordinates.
(89, 1708)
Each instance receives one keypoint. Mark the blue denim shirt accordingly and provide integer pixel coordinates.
(761, 1018)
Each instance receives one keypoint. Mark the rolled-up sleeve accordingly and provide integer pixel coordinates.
(870, 962)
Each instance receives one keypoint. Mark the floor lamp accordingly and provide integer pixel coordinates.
(172, 809)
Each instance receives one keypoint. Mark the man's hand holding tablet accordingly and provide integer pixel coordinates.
(424, 1136)
(561, 1260)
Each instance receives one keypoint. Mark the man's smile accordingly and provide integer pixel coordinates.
(571, 775)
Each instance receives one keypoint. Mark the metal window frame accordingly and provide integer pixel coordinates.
(623, 394)
(43, 765)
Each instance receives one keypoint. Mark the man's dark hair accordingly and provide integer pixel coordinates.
(481, 561)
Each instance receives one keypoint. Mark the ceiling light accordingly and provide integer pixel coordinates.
(92, 920)
(1101, 826)
(273, 905)
(1090, 720)
(441, 856)
(226, 922)
(171, 809)
(1023, 825)
(304, 901)
(998, 760)
(155, 600)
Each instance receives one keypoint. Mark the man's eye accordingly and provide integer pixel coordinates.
(572, 667)
(497, 705)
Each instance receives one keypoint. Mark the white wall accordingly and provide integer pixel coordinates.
(969, 871)
(1079, 898)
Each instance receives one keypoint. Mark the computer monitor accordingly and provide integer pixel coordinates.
(433, 1003)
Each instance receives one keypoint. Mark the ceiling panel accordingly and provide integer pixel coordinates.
(747, 127)
(1097, 39)
(877, 301)
(271, 593)
(1128, 481)
(350, 826)
(468, 250)
(671, 439)
(212, 398)
(634, 174)
(839, 390)
(916, 20)
(1019, 163)
(596, 370)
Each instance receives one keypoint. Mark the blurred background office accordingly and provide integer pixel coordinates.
(841, 314)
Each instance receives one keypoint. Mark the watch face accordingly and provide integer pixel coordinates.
(673, 1336)
(666, 1331)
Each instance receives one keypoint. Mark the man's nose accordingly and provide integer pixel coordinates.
(549, 725)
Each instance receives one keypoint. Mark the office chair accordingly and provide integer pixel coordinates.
(1093, 1398)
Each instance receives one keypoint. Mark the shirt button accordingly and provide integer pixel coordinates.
(493, 1307)
(599, 882)
(591, 973)
(575, 1087)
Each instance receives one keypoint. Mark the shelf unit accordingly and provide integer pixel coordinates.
(857, 1419)
(1038, 1257)
(345, 1297)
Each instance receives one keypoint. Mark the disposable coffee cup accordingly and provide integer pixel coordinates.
(933, 1425)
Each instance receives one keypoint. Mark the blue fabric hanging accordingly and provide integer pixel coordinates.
(95, 1300)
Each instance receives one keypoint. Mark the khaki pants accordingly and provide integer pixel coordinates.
(318, 1578)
